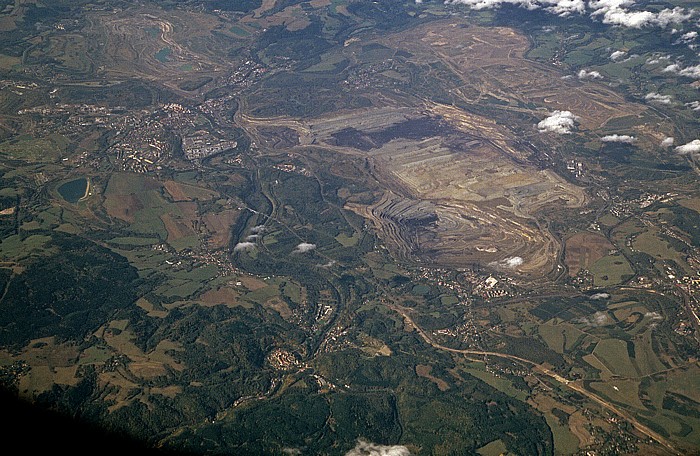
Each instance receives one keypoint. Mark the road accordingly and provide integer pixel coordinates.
(573, 385)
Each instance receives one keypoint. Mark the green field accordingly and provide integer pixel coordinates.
(478, 370)
(239, 31)
(560, 337)
(613, 354)
(565, 442)
(611, 270)
(348, 241)
(495, 448)
(135, 241)
(651, 243)
(621, 391)
(646, 360)
(16, 247)
(48, 149)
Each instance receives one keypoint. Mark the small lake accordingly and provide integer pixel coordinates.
(164, 54)
(73, 190)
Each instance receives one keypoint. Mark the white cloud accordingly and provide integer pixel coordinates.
(614, 12)
(583, 74)
(667, 142)
(597, 296)
(558, 7)
(627, 139)
(561, 122)
(566, 7)
(617, 55)
(244, 246)
(694, 105)
(304, 247)
(673, 16)
(658, 98)
(597, 319)
(658, 59)
(654, 315)
(327, 265)
(688, 37)
(513, 262)
(364, 448)
(690, 72)
(672, 68)
(508, 263)
(693, 147)
(619, 16)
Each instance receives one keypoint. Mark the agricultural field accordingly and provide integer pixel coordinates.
(583, 250)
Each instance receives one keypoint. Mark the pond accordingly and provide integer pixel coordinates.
(73, 190)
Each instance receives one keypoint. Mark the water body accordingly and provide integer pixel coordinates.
(164, 54)
(73, 190)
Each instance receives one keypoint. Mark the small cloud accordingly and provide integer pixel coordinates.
(694, 105)
(689, 72)
(304, 247)
(597, 319)
(654, 315)
(687, 38)
(560, 122)
(654, 97)
(676, 15)
(327, 265)
(583, 74)
(597, 296)
(364, 448)
(617, 55)
(626, 139)
(659, 59)
(513, 262)
(257, 229)
(672, 68)
(693, 147)
(667, 142)
(613, 12)
(244, 246)
(508, 263)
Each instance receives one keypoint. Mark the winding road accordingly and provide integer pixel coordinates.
(573, 385)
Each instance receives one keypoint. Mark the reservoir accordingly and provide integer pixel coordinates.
(73, 190)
